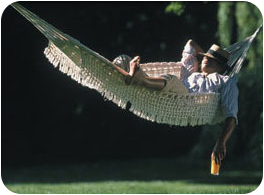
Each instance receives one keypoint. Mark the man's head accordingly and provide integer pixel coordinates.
(214, 60)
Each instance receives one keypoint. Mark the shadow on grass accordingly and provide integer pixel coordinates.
(134, 170)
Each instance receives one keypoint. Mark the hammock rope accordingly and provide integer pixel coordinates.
(94, 71)
(238, 53)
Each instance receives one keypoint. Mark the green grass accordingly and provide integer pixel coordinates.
(133, 177)
(130, 187)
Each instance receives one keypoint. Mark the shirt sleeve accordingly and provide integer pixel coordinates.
(229, 99)
(189, 60)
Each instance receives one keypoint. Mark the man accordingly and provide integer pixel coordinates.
(208, 80)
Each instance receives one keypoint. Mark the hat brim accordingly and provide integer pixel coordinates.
(211, 56)
(208, 55)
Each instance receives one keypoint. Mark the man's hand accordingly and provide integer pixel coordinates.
(219, 152)
(197, 47)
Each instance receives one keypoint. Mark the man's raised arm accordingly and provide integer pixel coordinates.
(196, 47)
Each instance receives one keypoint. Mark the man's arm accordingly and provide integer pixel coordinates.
(196, 47)
(189, 57)
(219, 150)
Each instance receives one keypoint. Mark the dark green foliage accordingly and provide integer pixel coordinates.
(248, 19)
(176, 8)
(225, 22)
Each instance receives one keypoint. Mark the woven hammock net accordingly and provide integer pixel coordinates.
(94, 71)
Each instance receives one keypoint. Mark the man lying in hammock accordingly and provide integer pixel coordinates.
(208, 79)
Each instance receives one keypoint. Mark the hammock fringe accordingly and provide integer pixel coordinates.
(111, 86)
(96, 72)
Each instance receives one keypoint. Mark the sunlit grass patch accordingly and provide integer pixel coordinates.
(130, 187)
(150, 176)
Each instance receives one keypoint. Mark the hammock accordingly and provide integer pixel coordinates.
(94, 71)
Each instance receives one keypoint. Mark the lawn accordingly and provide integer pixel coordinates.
(131, 177)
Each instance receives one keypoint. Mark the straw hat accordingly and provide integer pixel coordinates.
(218, 54)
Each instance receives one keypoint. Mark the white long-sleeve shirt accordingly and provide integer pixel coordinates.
(197, 82)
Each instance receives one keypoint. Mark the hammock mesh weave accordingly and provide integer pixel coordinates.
(94, 71)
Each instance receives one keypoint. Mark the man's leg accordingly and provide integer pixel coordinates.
(139, 77)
